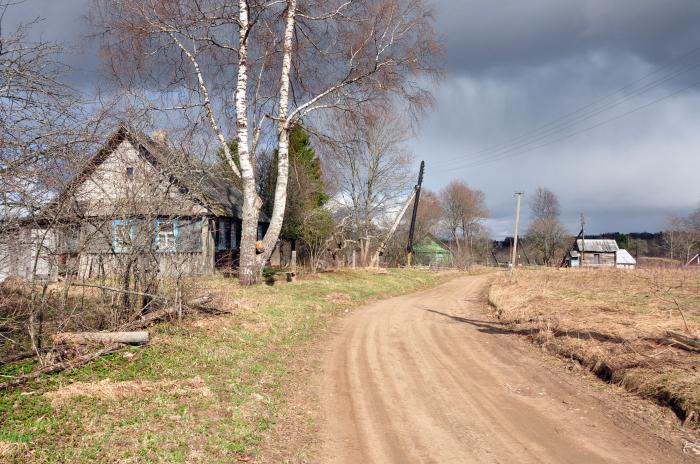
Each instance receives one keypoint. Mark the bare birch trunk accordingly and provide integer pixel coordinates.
(280, 202)
(248, 272)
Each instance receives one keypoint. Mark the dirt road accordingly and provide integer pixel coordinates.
(426, 378)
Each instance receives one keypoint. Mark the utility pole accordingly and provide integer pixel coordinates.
(583, 239)
(380, 250)
(517, 224)
(409, 247)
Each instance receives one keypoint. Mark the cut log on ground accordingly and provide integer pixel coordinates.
(679, 341)
(690, 341)
(85, 338)
(53, 368)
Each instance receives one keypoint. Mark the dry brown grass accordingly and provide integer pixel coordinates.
(110, 390)
(612, 321)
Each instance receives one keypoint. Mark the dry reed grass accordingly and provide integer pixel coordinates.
(612, 322)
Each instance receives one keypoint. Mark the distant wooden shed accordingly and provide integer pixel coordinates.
(593, 253)
(599, 253)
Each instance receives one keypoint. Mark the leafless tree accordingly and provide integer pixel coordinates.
(317, 235)
(273, 63)
(682, 236)
(365, 155)
(546, 234)
(544, 204)
(81, 257)
(42, 133)
(465, 212)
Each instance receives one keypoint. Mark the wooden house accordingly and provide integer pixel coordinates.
(599, 253)
(694, 261)
(140, 202)
(431, 251)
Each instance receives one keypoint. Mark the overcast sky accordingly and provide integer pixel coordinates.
(593, 99)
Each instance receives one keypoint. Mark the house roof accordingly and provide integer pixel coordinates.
(624, 257)
(205, 183)
(694, 261)
(431, 244)
(597, 245)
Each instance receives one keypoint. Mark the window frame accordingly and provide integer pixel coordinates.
(132, 234)
(176, 233)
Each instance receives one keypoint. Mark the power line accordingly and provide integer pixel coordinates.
(567, 121)
(510, 153)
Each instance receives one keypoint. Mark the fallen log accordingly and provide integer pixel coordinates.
(690, 341)
(53, 368)
(680, 341)
(84, 338)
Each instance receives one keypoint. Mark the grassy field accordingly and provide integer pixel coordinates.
(212, 390)
(613, 322)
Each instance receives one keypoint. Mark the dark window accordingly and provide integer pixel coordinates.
(130, 172)
(223, 230)
(234, 236)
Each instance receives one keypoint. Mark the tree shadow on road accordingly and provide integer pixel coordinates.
(494, 328)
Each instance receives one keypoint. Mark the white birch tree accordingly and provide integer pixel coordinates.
(275, 62)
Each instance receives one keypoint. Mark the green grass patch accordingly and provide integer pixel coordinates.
(205, 392)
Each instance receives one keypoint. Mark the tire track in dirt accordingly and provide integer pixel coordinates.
(426, 378)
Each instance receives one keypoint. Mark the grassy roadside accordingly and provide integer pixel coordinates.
(208, 391)
(612, 322)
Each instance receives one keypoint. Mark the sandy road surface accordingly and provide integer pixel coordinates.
(426, 378)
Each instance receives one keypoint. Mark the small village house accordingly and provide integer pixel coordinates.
(137, 202)
(431, 251)
(694, 261)
(599, 253)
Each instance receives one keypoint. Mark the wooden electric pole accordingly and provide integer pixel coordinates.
(583, 240)
(409, 246)
(517, 224)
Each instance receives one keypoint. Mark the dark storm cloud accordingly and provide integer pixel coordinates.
(65, 22)
(492, 36)
(515, 65)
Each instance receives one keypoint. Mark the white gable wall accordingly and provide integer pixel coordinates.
(110, 191)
